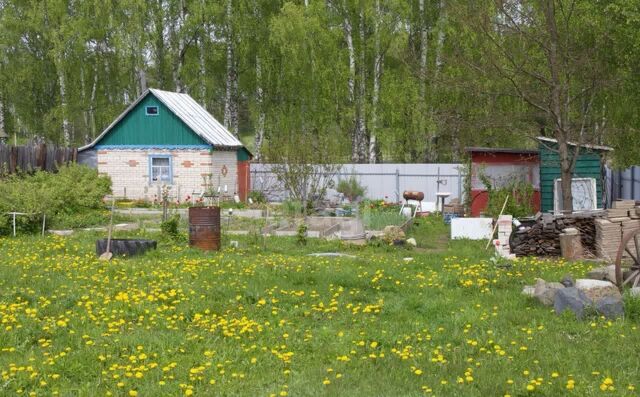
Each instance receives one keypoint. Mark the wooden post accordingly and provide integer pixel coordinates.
(496, 226)
(44, 221)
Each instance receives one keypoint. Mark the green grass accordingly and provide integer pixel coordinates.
(258, 321)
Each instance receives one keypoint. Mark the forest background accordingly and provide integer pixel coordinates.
(332, 80)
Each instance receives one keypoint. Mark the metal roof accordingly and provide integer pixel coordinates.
(499, 150)
(584, 145)
(190, 112)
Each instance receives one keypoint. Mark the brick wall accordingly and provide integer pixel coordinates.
(129, 170)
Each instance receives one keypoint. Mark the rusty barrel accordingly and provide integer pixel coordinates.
(204, 228)
(409, 195)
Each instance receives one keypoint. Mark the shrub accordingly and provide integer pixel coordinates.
(169, 228)
(351, 188)
(73, 191)
(257, 197)
(520, 196)
(301, 234)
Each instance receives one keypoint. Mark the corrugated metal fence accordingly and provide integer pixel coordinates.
(33, 157)
(623, 184)
(382, 181)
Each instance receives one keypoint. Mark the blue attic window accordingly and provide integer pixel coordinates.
(151, 110)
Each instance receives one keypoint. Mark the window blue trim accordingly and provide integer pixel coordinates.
(146, 110)
(163, 156)
(168, 147)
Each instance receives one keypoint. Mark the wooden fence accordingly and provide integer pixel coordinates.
(30, 158)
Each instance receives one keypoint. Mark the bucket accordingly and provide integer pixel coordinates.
(204, 228)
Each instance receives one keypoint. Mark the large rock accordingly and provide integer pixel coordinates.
(546, 292)
(603, 273)
(610, 307)
(568, 281)
(571, 299)
(597, 289)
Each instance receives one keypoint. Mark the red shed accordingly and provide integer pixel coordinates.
(502, 166)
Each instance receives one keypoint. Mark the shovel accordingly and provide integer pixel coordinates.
(107, 255)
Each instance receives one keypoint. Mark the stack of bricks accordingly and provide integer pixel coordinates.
(504, 232)
(622, 218)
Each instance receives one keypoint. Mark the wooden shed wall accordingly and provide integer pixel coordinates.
(588, 165)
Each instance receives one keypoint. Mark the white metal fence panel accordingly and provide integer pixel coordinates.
(382, 181)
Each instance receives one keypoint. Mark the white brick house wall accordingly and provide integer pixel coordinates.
(129, 171)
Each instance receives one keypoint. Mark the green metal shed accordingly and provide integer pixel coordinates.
(590, 164)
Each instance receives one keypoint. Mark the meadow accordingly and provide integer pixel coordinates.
(267, 320)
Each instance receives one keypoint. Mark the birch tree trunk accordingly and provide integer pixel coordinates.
(179, 64)
(92, 105)
(375, 96)
(2, 130)
(360, 154)
(231, 99)
(442, 22)
(259, 137)
(66, 130)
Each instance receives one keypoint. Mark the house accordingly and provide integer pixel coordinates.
(168, 138)
(587, 183)
(502, 166)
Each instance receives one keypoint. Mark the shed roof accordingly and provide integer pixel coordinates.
(475, 149)
(584, 145)
(190, 112)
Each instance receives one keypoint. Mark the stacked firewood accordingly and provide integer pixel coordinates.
(543, 237)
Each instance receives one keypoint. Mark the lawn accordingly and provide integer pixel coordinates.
(267, 319)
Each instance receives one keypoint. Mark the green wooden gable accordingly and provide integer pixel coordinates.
(588, 165)
(163, 129)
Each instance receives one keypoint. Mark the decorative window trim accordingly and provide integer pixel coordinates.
(160, 156)
(590, 184)
(146, 110)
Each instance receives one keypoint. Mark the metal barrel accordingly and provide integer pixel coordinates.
(409, 195)
(204, 228)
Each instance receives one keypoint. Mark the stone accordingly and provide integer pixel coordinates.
(61, 232)
(603, 273)
(393, 233)
(611, 307)
(412, 241)
(528, 290)
(571, 299)
(545, 292)
(597, 289)
(567, 281)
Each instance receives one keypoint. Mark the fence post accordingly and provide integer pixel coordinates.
(397, 185)
(633, 183)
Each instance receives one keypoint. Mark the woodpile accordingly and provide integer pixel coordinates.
(543, 237)
(601, 232)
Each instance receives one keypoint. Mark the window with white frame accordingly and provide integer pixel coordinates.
(160, 169)
(151, 110)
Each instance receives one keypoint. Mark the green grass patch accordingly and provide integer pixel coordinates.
(267, 319)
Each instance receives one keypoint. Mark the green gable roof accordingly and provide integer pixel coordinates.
(178, 122)
(137, 128)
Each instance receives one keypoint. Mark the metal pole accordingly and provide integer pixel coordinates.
(14, 224)
(633, 183)
(44, 220)
(397, 185)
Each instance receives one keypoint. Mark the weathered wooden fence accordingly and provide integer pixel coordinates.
(30, 158)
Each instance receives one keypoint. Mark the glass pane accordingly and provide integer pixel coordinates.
(160, 161)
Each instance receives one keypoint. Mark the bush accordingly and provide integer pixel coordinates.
(351, 188)
(169, 228)
(257, 197)
(520, 198)
(72, 192)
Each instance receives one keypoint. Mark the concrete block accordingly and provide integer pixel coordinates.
(471, 228)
